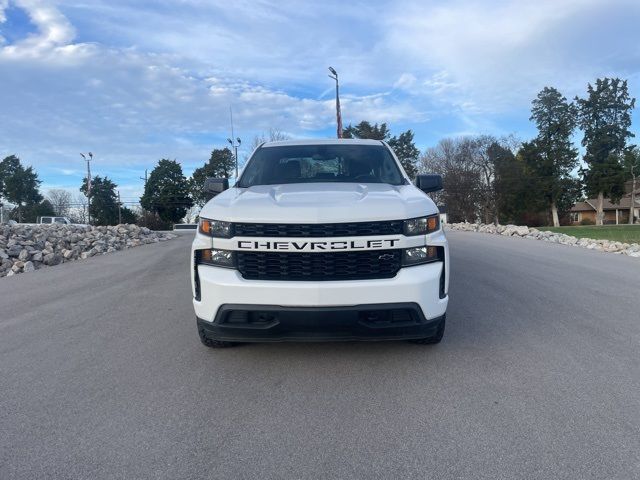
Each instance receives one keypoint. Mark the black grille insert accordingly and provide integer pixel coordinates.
(368, 264)
(392, 227)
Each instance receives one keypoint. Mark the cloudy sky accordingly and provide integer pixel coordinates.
(135, 81)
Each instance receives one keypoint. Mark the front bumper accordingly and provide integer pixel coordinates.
(267, 323)
(313, 310)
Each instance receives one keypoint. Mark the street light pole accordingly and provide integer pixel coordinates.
(338, 113)
(232, 141)
(88, 158)
(119, 209)
(235, 143)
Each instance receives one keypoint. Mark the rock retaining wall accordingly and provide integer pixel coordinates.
(25, 248)
(630, 249)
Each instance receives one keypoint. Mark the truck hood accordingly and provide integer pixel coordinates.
(319, 203)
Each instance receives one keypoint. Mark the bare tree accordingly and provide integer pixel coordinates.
(61, 201)
(453, 159)
(274, 135)
(78, 211)
(479, 156)
(192, 214)
(468, 171)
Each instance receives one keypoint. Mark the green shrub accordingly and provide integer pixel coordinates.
(587, 221)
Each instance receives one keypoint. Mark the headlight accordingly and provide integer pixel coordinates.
(418, 255)
(422, 225)
(216, 228)
(216, 257)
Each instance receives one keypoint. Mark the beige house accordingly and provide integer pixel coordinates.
(614, 213)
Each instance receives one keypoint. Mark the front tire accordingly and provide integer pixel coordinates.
(435, 338)
(212, 343)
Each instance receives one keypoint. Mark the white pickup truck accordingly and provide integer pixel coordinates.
(320, 240)
(49, 220)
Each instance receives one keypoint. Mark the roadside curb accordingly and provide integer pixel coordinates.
(608, 246)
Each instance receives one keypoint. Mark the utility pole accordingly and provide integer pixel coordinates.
(234, 141)
(88, 159)
(338, 113)
(119, 209)
(144, 178)
(632, 210)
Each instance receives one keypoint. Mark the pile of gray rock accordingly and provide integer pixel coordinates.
(25, 248)
(630, 249)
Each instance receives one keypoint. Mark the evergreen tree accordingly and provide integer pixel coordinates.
(567, 189)
(605, 118)
(42, 209)
(4, 166)
(221, 165)
(402, 145)
(406, 151)
(103, 207)
(632, 170)
(510, 183)
(365, 130)
(128, 215)
(19, 185)
(551, 156)
(167, 192)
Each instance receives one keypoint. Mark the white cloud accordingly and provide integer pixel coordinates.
(54, 30)
(3, 6)
(406, 81)
(132, 108)
(136, 81)
(496, 54)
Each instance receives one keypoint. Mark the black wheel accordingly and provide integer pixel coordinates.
(210, 342)
(434, 338)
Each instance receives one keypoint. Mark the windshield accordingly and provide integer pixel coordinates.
(321, 163)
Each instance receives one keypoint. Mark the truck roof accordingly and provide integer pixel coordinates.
(322, 141)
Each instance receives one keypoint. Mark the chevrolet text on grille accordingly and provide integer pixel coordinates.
(310, 246)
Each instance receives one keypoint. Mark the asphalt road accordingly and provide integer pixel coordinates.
(102, 376)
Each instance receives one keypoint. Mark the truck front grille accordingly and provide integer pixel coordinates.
(363, 265)
(356, 229)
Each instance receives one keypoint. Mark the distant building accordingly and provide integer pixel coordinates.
(614, 213)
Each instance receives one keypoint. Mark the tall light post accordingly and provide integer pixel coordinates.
(88, 157)
(235, 143)
(334, 75)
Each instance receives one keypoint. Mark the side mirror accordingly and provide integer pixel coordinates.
(214, 186)
(429, 183)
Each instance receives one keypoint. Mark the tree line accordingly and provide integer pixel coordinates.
(168, 197)
(502, 179)
(537, 181)
(486, 178)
